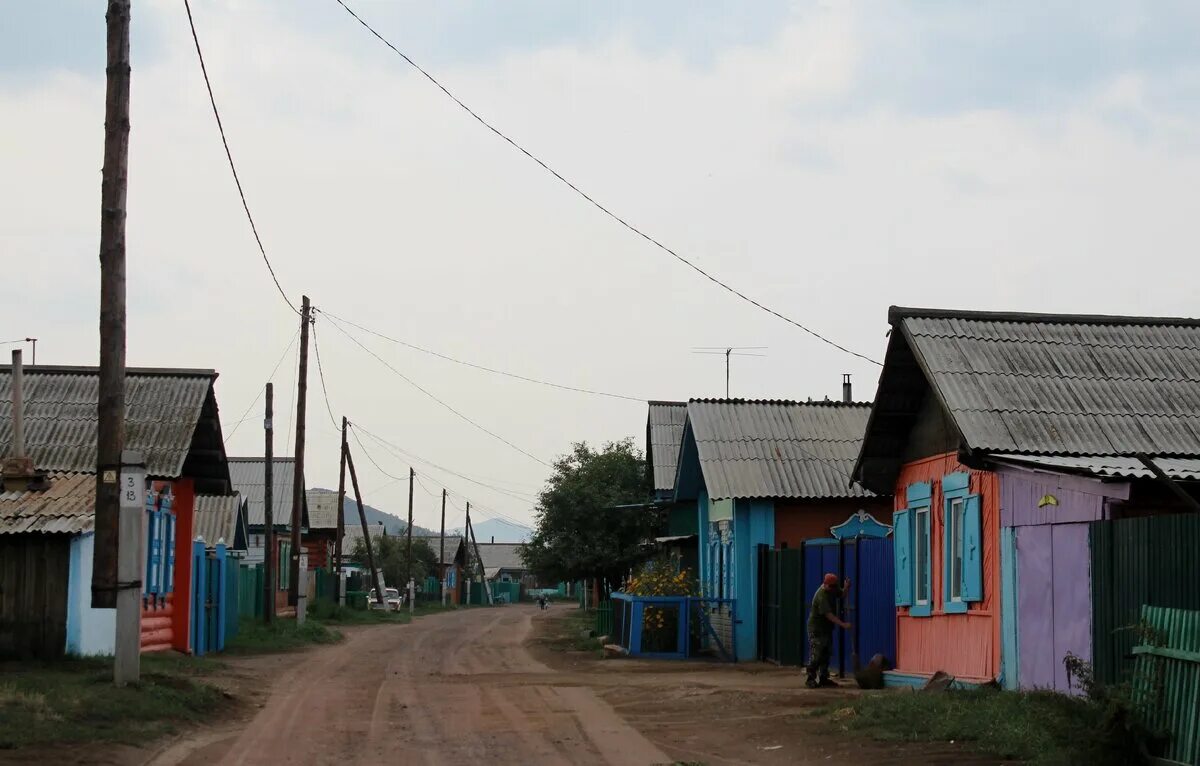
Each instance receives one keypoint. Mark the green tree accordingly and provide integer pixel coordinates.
(389, 557)
(580, 532)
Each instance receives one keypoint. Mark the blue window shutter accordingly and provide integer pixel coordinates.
(918, 491)
(972, 550)
(167, 583)
(955, 481)
(902, 552)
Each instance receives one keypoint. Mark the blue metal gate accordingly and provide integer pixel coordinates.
(871, 605)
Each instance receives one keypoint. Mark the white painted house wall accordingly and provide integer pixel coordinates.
(89, 631)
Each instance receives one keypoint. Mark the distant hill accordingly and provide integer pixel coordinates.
(393, 524)
(503, 531)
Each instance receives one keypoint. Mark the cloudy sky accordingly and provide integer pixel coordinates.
(829, 159)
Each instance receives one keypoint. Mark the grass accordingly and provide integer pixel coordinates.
(1042, 728)
(74, 701)
(281, 635)
(570, 634)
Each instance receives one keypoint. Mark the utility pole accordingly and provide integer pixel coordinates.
(442, 554)
(467, 555)
(294, 597)
(341, 518)
(362, 518)
(110, 434)
(412, 478)
(482, 573)
(34, 342)
(269, 508)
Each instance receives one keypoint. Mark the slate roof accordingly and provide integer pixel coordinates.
(249, 478)
(1048, 384)
(322, 509)
(1109, 467)
(777, 448)
(67, 507)
(164, 409)
(453, 542)
(498, 556)
(216, 517)
(664, 433)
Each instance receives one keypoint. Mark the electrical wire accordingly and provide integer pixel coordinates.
(593, 201)
(485, 368)
(245, 415)
(321, 374)
(429, 394)
(229, 155)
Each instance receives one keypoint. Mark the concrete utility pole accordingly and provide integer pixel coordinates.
(442, 554)
(269, 508)
(294, 589)
(128, 654)
(110, 434)
(341, 517)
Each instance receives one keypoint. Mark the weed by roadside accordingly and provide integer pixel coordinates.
(1039, 727)
(74, 700)
(570, 633)
(335, 614)
(281, 635)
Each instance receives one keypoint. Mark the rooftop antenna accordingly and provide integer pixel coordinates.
(727, 352)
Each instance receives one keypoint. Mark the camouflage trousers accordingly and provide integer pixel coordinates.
(820, 649)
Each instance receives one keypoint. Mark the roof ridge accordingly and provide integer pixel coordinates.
(67, 369)
(898, 313)
(788, 402)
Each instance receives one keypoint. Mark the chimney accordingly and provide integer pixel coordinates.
(847, 395)
(493, 539)
(18, 470)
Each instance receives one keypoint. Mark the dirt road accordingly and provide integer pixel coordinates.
(458, 688)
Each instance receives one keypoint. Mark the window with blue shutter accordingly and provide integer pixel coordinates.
(150, 583)
(902, 551)
(168, 576)
(962, 566)
(919, 497)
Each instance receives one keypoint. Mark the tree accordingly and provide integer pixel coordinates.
(580, 532)
(389, 557)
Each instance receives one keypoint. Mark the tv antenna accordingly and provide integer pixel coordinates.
(727, 352)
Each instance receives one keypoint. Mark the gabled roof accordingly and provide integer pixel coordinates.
(67, 507)
(453, 544)
(775, 448)
(498, 556)
(249, 479)
(664, 432)
(1049, 384)
(171, 417)
(216, 518)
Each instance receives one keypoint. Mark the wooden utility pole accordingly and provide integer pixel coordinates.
(298, 482)
(362, 518)
(341, 517)
(442, 552)
(467, 555)
(110, 435)
(269, 508)
(412, 479)
(482, 572)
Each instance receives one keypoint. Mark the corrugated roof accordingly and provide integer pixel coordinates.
(664, 433)
(68, 507)
(1061, 384)
(216, 518)
(497, 556)
(322, 509)
(452, 545)
(248, 475)
(776, 448)
(352, 533)
(1109, 467)
(162, 409)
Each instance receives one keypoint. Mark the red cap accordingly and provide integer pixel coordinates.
(831, 579)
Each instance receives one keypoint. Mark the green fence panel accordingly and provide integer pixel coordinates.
(1137, 562)
(250, 591)
(232, 597)
(604, 619)
(1167, 679)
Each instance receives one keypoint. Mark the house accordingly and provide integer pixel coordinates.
(352, 533)
(320, 536)
(502, 563)
(664, 433)
(767, 473)
(47, 504)
(222, 519)
(248, 475)
(451, 552)
(1011, 442)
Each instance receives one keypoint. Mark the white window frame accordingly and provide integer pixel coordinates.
(956, 513)
(922, 553)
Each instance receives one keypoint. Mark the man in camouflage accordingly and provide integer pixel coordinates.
(821, 620)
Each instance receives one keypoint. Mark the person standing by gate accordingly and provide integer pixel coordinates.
(821, 620)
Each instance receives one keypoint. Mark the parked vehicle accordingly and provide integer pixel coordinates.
(392, 601)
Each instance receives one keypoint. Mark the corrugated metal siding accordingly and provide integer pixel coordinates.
(778, 449)
(1167, 682)
(162, 409)
(1149, 560)
(1066, 387)
(249, 479)
(68, 507)
(216, 518)
(665, 432)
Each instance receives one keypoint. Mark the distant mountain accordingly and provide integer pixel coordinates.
(394, 525)
(503, 531)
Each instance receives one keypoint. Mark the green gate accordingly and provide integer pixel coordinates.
(1167, 678)
(780, 634)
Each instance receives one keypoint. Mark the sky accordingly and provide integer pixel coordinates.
(829, 159)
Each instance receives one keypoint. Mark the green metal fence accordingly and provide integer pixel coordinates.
(604, 618)
(250, 591)
(1138, 562)
(1167, 678)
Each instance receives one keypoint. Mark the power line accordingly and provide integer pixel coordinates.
(595, 203)
(229, 155)
(321, 373)
(260, 391)
(485, 368)
(429, 394)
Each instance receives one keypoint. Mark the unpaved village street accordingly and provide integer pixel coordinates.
(473, 687)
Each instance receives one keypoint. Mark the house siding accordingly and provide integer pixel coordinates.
(90, 631)
(966, 645)
(797, 521)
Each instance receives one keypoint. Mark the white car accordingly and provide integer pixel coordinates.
(392, 600)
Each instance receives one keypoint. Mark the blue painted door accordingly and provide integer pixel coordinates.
(870, 606)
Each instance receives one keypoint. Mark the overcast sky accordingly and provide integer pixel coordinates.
(829, 159)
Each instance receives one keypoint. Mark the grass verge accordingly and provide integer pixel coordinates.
(74, 700)
(570, 633)
(281, 635)
(1041, 728)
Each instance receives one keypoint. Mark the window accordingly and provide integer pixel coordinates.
(921, 548)
(912, 527)
(954, 523)
(284, 577)
(962, 546)
(159, 578)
